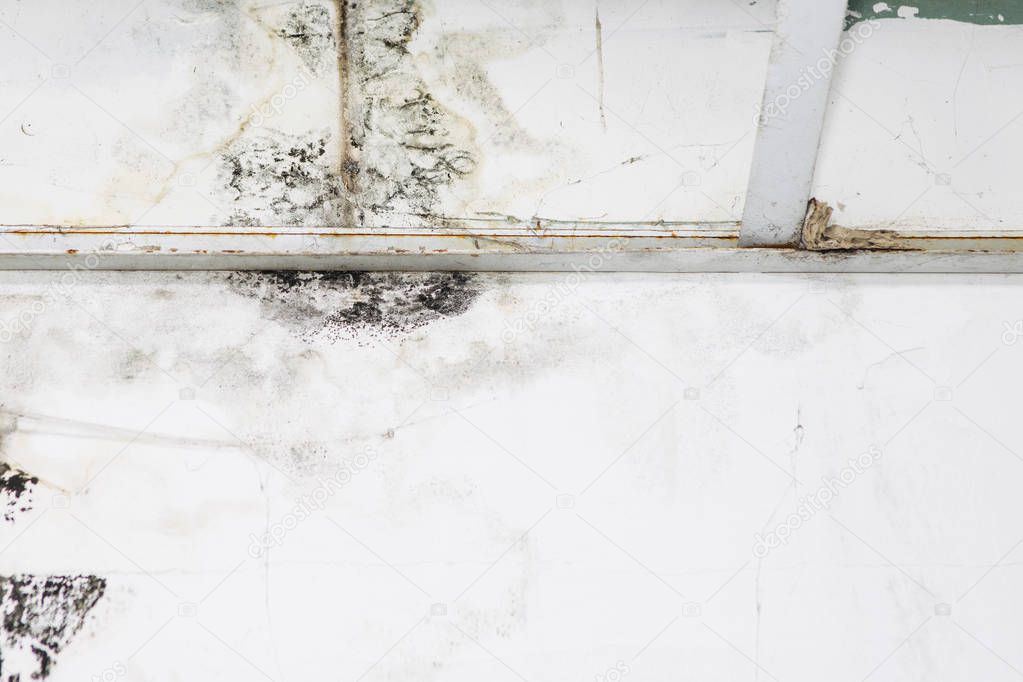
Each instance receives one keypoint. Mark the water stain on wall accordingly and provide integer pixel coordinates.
(399, 149)
(984, 12)
(403, 149)
(346, 305)
(39, 616)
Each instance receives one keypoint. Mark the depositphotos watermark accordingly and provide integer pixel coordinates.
(315, 500)
(615, 673)
(813, 503)
(22, 321)
(275, 105)
(565, 288)
(110, 674)
(854, 37)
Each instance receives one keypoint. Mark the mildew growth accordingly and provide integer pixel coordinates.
(39, 616)
(407, 148)
(310, 33)
(281, 180)
(16, 489)
(399, 151)
(984, 12)
(347, 305)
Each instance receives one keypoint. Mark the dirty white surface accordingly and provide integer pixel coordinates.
(923, 129)
(515, 477)
(401, 113)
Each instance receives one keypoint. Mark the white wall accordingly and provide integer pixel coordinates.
(923, 127)
(183, 113)
(562, 475)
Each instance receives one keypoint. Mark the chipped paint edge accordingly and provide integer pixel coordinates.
(990, 14)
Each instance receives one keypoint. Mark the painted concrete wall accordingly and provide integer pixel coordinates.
(466, 114)
(393, 112)
(510, 477)
(923, 129)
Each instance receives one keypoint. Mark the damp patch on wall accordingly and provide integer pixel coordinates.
(39, 616)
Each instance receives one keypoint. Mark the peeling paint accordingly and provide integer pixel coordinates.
(819, 235)
(16, 489)
(984, 12)
(40, 616)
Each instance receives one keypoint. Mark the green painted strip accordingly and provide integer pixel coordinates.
(985, 12)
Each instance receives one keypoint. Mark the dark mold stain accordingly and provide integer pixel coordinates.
(409, 148)
(15, 491)
(399, 150)
(310, 32)
(281, 180)
(40, 616)
(341, 305)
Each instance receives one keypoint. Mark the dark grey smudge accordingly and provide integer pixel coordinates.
(398, 152)
(40, 616)
(281, 180)
(15, 491)
(310, 33)
(409, 147)
(349, 304)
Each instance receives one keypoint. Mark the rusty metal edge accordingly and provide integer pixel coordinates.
(41, 248)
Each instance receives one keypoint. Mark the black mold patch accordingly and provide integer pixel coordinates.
(310, 33)
(352, 304)
(409, 148)
(281, 180)
(40, 616)
(15, 491)
(399, 152)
